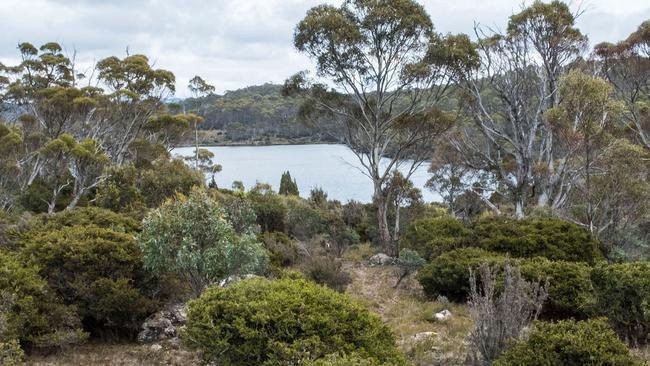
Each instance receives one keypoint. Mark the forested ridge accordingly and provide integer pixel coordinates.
(113, 251)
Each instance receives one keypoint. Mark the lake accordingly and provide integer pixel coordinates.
(334, 168)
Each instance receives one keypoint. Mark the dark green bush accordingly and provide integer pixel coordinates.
(623, 296)
(30, 311)
(432, 236)
(119, 191)
(85, 216)
(448, 274)
(303, 220)
(537, 237)
(345, 360)
(165, 178)
(569, 343)
(284, 251)
(269, 207)
(97, 270)
(282, 322)
(570, 292)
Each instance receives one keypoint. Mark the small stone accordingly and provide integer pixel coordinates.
(443, 315)
(156, 347)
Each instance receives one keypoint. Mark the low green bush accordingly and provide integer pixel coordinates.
(623, 296)
(30, 312)
(345, 360)
(281, 322)
(284, 252)
(303, 220)
(570, 292)
(97, 270)
(554, 239)
(432, 236)
(569, 343)
(270, 209)
(10, 353)
(84, 216)
(448, 274)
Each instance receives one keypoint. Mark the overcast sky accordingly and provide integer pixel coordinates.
(236, 43)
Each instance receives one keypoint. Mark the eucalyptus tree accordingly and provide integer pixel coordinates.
(507, 137)
(626, 65)
(389, 71)
(199, 88)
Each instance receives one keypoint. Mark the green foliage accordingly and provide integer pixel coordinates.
(30, 312)
(284, 251)
(569, 343)
(10, 353)
(120, 191)
(304, 221)
(191, 236)
(165, 179)
(98, 270)
(270, 209)
(432, 236)
(623, 296)
(410, 260)
(288, 186)
(554, 239)
(448, 274)
(87, 216)
(570, 292)
(262, 322)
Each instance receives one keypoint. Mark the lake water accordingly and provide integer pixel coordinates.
(334, 168)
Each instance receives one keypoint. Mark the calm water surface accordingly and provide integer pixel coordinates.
(332, 167)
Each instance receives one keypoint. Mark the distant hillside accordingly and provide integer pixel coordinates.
(255, 113)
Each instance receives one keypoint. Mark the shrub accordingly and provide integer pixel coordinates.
(263, 322)
(569, 342)
(10, 353)
(30, 312)
(448, 274)
(570, 292)
(500, 314)
(327, 271)
(623, 296)
(269, 208)
(119, 191)
(88, 265)
(303, 220)
(165, 179)
(432, 236)
(85, 216)
(191, 237)
(537, 237)
(283, 251)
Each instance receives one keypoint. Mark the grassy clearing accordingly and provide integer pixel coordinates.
(408, 313)
(122, 354)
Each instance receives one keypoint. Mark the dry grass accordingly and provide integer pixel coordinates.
(102, 354)
(408, 313)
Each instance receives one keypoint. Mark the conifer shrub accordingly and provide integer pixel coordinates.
(284, 252)
(623, 296)
(85, 216)
(337, 359)
(431, 236)
(570, 292)
(569, 343)
(281, 322)
(551, 238)
(448, 274)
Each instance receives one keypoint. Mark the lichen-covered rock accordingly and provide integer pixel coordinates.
(443, 315)
(163, 324)
(380, 259)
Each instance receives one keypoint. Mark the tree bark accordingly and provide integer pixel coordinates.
(385, 239)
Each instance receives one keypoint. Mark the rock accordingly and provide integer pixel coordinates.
(156, 347)
(235, 278)
(380, 259)
(423, 336)
(162, 325)
(443, 315)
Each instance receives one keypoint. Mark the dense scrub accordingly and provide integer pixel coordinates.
(432, 236)
(570, 343)
(266, 322)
